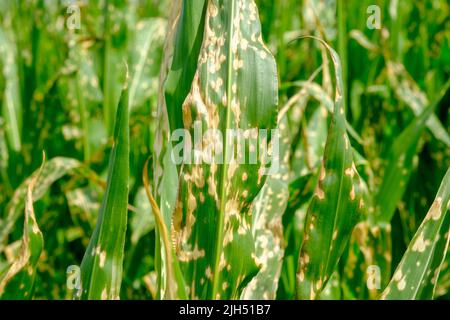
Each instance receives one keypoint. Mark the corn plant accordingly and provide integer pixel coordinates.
(346, 198)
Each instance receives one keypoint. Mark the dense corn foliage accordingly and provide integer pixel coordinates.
(348, 197)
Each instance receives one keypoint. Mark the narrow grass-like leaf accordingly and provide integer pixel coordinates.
(174, 287)
(336, 206)
(18, 281)
(101, 268)
(418, 272)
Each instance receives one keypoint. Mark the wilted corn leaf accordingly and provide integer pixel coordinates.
(12, 106)
(54, 169)
(234, 87)
(17, 282)
(336, 206)
(101, 268)
(418, 272)
(400, 163)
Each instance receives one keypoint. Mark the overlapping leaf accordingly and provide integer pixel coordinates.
(418, 272)
(101, 269)
(53, 171)
(336, 206)
(18, 280)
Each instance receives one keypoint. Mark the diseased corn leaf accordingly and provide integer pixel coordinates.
(409, 92)
(400, 163)
(12, 105)
(188, 41)
(443, 285)
(17, 281)
(234, 87)
(336, 206)
(54, 170)
(165, 173)
(367, 263)
(417, 274)
(332, 290)
(101, 268)
(268, 209)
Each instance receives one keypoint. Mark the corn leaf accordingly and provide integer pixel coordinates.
(268, 209)
(12, 106)
(145, 58)
(54, 170)
(409, 92)
(336, 206)
(418, 272)
(400, 163)
(234, 87)
(101, 268)
(188, 41)
(17, 282)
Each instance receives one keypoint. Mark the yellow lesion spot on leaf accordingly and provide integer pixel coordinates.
(352, 193)
(102, 258)
(420, 244)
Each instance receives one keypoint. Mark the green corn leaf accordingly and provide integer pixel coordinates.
(336, 206)
(234, 87)
(101, 268)
(12, 106)
(418, 272)
(54, 170)
(17, 282)
(400, 163)
(141, 222)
